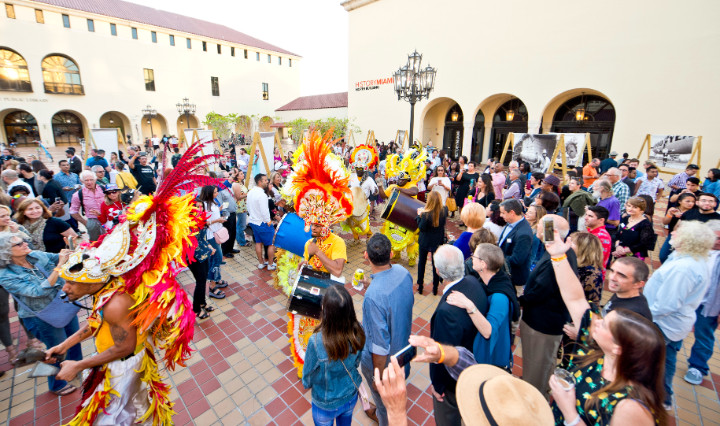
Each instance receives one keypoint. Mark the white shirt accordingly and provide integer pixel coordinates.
(436, 162)
(449, 286)
(438, 182)
(649, 187)
(257, 206)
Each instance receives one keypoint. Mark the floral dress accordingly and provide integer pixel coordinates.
(588, 380)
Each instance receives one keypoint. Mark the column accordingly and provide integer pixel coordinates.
(467, 137)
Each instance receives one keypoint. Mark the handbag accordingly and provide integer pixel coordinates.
(57, 313)
(368, 407)
(221, 235)
(451, 204)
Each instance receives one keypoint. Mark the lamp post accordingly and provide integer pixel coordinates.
(150, 113)
(185, 107)
(412, 83)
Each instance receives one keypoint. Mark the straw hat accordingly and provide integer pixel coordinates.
(488, 395)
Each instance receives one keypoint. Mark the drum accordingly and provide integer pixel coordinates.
(401, 210)
(291, 235)
(307, 293)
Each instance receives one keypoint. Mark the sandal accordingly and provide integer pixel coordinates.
(216, 293)
(221, 284)
(208, 308)
(12, 353)
(67, 390)
(202, 314)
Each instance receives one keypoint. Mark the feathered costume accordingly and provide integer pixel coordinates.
(141, 257)
(319, 190)
(363, 157)
(412, 168)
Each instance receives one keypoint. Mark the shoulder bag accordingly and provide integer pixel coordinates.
(58, 313)
(368, 407)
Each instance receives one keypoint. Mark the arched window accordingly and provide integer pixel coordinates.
(511, 117)
(61, 75)
(14, 76)
(587, 114)
(67, 128)
(21, 128)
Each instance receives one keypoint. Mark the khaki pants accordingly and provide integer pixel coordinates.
(539, 356)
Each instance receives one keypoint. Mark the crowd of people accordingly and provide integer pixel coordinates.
(536, 254)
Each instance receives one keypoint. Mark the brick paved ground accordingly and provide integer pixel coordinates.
(242, 372)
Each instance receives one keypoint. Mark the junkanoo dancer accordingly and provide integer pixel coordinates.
(138, 305)
(363, 159)
(408, 173)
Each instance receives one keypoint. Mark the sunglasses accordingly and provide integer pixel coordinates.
(18, 244)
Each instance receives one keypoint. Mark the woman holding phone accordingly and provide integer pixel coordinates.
(332, 359)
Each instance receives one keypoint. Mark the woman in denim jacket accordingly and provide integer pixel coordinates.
(332, 359)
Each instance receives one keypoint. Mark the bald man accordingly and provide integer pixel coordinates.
(544, 314)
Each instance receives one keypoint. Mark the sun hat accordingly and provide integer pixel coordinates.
(614, 154)
(488, 395)
(110, 187)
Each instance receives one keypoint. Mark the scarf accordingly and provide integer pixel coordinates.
(500, 283)
(36, 233)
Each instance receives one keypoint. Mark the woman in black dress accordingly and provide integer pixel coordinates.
(485, 194)
(431, 223)
(636, 236)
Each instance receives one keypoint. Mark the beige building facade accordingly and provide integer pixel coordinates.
(69, 66)
(635, 68)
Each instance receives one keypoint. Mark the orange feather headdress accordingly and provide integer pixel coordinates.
(320, 184)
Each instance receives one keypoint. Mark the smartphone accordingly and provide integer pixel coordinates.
(548, 231)
(58, 199)
(406, 354)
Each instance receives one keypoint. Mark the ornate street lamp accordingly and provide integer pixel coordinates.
(150, 113)
(412, 83)
(186, 108)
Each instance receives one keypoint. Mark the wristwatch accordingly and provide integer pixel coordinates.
(473, 311)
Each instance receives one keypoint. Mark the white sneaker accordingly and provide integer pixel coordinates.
(272, 267)
(693, 376)
(261, 265)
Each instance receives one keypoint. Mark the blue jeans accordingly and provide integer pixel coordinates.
(702, 349)
(214, 261)
(342, 415)
(671, 351)
(240, 226)
(666, 250)
(52, 336)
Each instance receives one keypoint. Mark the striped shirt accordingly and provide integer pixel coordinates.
(679, 180)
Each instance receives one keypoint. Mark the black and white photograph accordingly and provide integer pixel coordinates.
(574, 149)
(535, 149)
(671, 151)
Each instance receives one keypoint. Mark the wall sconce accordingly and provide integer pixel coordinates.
(181, 122)
(510, 115)
(580, 112)
(112, 121)
(148, 122)
(454, 116)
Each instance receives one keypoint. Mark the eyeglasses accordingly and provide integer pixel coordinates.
(18, 244)
(477, 257)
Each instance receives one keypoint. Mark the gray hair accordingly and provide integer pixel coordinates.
(10, 174)
(98, 169)
(6, 246)
(449, 262)
(614, 171)
(713, 224)
(87, 174)
(514, 164)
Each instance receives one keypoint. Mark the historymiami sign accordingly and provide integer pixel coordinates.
(372, 84)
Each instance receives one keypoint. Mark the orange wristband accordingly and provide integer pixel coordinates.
(559, 259)
(442, 353)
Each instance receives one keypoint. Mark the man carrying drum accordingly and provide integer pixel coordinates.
(326, 254)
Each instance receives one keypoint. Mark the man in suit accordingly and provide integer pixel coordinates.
(451, 325)
(544, 315)
(516, 240)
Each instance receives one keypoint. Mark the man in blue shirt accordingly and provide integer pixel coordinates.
(608, 163)
(387, 314)
(98, 160)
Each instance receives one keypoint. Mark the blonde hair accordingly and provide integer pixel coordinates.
(539, 213)
(589, 249)
(473, 215)
(9, 212)
(434, 206)
(693, 238)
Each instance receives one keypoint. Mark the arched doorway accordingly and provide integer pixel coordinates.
(154, 127)
(67, 128)
(453, 132)
(478, 137)
(587, 114)
(114, 119)
(182, 124)
(510, 117)
(21, 128)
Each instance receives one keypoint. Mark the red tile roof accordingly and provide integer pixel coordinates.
(160, 18)
(330, 100)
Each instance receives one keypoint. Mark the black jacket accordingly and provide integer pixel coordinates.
(543, 307)
(76, 165)
(430, 237)
(516, 248)
(452, 326)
